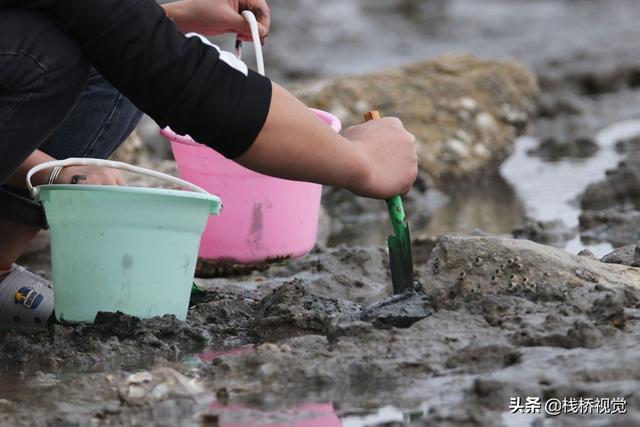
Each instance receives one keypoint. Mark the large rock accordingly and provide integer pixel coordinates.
(465, 112)
(460, 266)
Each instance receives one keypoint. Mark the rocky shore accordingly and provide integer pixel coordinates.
(496, 318)
(321, 339)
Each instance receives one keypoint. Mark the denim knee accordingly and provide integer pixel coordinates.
(42, 74)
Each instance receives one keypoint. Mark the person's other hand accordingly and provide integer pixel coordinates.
(388, 151)
(90, 175)
(213, 17)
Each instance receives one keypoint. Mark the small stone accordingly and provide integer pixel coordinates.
(586, 253)
(135, 392)
(269, 347)
(468, 104)
(140, 377)
(266, 371)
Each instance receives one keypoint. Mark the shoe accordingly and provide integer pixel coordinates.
(26, 300)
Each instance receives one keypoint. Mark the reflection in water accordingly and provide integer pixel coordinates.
(309, 415)
(492, 207)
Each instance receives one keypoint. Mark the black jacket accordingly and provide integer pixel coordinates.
(178, 81)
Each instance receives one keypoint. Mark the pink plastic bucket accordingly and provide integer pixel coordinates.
(264, 218)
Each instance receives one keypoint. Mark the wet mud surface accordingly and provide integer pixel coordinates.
(320, 338)
(495, 318)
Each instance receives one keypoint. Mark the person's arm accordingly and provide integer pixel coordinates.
(200, 91)
(40, 178)
(376, 159)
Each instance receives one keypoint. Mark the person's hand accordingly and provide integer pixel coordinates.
(90, 175)
(388, 151)
(213, 17)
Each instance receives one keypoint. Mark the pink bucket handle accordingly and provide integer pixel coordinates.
(255, 34)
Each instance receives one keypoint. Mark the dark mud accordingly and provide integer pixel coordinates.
(291, 311)
(496, 318)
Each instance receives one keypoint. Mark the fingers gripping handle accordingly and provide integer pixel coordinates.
(255, 34)
(109, 164)
(394, 204)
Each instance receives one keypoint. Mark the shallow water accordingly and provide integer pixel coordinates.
(549, 190)
(528, 186)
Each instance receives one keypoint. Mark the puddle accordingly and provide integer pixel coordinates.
(307, 415)
(529, 187)
(550, 189)
(210, 355)
(387, 414)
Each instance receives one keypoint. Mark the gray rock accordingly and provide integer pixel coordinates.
(626, 255)
(553, 149)
(548, 232)
(617, 226)
(621, 186)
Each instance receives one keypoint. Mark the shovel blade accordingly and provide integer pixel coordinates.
(401, 262)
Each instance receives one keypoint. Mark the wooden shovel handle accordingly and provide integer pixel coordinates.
(371, 115)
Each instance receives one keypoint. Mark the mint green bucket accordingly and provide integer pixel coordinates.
(125, 249)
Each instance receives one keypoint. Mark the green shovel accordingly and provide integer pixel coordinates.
(400, 253)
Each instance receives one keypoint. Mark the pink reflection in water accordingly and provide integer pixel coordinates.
(309, 415)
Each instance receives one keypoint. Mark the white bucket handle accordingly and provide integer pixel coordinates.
(109, 164)
(255, 34)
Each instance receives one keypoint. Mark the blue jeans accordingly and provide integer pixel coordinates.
(53, 100)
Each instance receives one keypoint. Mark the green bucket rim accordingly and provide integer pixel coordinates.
(216, 202)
